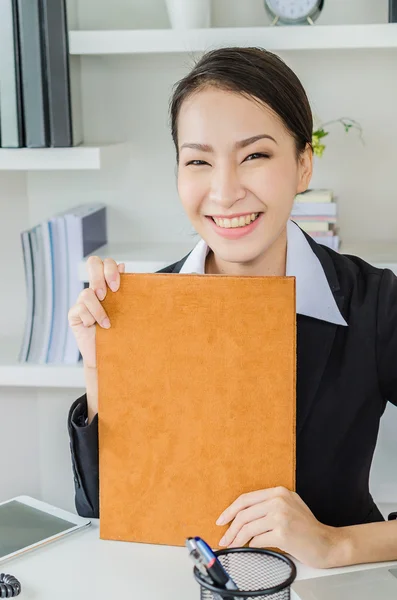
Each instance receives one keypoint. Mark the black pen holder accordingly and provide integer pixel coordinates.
(257, 572)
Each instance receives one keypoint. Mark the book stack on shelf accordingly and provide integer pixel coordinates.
(315, 211)
(52, 251)
(35, 99)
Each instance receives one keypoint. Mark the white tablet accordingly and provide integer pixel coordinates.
(27, 523)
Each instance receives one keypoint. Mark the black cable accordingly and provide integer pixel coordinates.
(9, 586)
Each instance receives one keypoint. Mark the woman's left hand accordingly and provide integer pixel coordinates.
(278, 518)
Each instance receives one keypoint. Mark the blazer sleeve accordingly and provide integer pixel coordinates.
(84, 451)
(387, 336)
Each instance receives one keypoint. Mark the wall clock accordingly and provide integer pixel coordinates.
(293, 12)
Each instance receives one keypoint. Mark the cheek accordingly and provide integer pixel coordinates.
(191, 192)
(279, 180)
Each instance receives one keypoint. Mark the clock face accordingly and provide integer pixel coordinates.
(292, 9)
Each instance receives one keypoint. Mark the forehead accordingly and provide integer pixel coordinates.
(210, 113)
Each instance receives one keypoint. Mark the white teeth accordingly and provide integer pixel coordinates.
(236, 221)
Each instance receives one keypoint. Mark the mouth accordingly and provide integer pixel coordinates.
(236, 226)
(234, 222)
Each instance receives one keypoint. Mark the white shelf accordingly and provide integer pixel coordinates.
(141, 258)
(83, 157)
(14, 374)
(317, 37)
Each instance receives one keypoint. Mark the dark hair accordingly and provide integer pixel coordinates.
(255, 73)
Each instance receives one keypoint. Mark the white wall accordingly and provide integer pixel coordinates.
(19, 444)
(127, 98)
(56, 479)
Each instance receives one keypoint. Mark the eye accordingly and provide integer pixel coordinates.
(196, 162)
(256, 155)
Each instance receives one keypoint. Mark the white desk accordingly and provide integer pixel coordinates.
(83, 566)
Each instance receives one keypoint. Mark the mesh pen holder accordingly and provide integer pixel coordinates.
(257, 572)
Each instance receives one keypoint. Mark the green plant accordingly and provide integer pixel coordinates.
(320, 133)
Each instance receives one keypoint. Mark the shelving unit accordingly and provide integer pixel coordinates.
(77, 158)
(140, 258)
(318, 37)
(152, 257)
(13, 374)
(41, 376)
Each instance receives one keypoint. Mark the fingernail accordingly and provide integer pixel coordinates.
(222, 542)
(113, 286)
(106, 323)
(221, 520)
(101, 294)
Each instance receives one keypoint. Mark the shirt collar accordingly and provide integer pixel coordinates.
(313, 294)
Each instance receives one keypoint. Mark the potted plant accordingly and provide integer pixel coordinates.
(321, 132)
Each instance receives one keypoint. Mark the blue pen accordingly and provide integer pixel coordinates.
(202, 555)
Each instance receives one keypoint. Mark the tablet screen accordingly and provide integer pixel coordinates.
(22, 525)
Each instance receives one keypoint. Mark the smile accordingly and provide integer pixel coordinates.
(236, 227)
(236, 221)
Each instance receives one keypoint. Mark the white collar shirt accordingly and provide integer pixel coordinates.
(314, 297)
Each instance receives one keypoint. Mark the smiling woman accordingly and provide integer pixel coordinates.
(242, 129)
(243, 146)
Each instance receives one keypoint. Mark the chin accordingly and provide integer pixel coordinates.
(239, 253)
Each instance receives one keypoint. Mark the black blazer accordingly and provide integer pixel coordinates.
(345, 376)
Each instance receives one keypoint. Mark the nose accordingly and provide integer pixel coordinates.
(226, 188)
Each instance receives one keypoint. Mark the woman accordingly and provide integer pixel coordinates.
(242, 128)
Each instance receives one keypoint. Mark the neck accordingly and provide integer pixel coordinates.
(271, 262)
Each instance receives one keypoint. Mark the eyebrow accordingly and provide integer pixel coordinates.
(240, 144)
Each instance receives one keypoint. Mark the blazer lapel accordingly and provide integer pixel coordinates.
(178, 266)
(175, 267)
(314, 343)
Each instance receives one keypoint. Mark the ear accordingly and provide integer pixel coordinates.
(305, 169)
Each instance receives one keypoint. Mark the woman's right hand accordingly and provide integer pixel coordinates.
(88, 309)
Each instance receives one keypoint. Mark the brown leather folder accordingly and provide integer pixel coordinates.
(197, 401)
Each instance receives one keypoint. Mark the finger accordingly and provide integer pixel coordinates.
(249, 499)
(96, 276)
(251, 530)
(242, 519)
(80, 315)
(121, 268)
(90, 300)
(112, 274)
(270, 539)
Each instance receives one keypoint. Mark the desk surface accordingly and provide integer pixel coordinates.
(83, 566)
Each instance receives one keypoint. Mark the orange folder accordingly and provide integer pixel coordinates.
(197, 401)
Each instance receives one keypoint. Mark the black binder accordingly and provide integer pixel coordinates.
(35, 98)
(56, 54)
(392, 11)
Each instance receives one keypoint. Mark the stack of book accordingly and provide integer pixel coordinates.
(35, 98)
(52, 252)
(315, 211)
